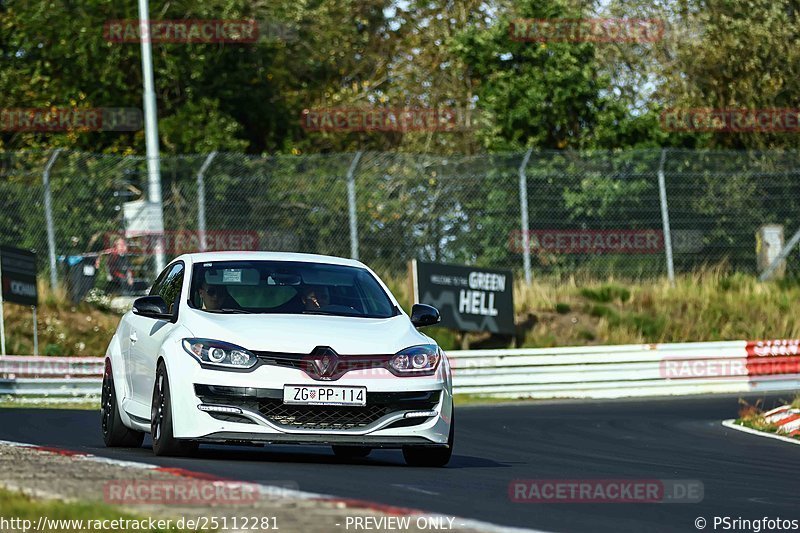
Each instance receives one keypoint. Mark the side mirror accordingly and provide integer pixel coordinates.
(152, 307)
(424, 315)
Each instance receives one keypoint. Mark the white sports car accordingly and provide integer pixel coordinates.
(261, 347)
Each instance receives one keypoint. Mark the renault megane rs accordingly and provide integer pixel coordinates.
(261, 347)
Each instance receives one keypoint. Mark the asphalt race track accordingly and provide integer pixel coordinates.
(743, 475)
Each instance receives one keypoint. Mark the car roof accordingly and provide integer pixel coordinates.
(270, 256)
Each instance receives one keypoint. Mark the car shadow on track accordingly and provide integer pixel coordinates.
(322, 455)
(311, 455)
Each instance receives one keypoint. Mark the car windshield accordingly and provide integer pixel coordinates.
(240, 287)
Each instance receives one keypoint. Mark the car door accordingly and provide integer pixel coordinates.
(150, 334)
(126, 343)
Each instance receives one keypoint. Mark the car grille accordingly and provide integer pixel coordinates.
(321, 417)
(269, 403)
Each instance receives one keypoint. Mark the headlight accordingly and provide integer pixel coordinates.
(218, 353)
(419, 360)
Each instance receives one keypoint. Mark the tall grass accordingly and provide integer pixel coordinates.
(704, 306)
(64, 329)
(708, 305)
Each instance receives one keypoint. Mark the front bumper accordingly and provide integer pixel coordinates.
(400, 410)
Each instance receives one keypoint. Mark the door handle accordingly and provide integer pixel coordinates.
(133, 338)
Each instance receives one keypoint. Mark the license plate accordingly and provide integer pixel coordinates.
(321, 395)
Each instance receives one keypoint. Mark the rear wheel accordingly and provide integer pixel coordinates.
(351, 452)
(431, 456)
(115, 433)
(164, 443)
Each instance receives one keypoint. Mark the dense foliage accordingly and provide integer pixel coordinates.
(418, 53)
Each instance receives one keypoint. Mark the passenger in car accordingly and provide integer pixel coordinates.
(315, 297)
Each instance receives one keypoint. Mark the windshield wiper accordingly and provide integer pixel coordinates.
(328, 313)
(228, 310)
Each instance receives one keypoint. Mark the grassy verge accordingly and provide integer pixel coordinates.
(88, 404)
(477, 399)
(17, 505)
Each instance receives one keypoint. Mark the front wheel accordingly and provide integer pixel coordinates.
(115, 433)
(432, 456)
(164, 443)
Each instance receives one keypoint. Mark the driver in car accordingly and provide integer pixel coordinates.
(216, 297)
(315, 298)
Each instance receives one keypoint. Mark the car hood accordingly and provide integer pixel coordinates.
(303, 333)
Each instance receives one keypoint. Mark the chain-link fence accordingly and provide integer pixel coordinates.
(543, 214)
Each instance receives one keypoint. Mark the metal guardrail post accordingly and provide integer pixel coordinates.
(48, 215)
(523, 209)
(351, 202)
(201, 200)
(662, 192)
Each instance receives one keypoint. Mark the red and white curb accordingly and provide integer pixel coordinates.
(731, 423)
(786, 418)
(342, 503)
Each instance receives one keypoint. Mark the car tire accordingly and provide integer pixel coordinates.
(164, 443)
(351, 452)
(432, 456)
(115, 433)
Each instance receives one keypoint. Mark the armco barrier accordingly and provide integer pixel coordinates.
(50, 376)
(580, 372)
(629, 370)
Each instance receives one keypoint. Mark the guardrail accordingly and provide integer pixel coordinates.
(629, 370)
(50, 376)
(578, 372)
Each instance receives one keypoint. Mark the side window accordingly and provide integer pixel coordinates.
(170, 290)
(158, 284)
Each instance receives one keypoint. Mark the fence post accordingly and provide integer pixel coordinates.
(154, 197)
(351, 201)
(48, 215)
(662, 192)
(523, 209)
(201, 200)
(784, 253)
(35, 331)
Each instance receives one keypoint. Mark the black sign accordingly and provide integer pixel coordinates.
(18, 273)
(468, 298)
